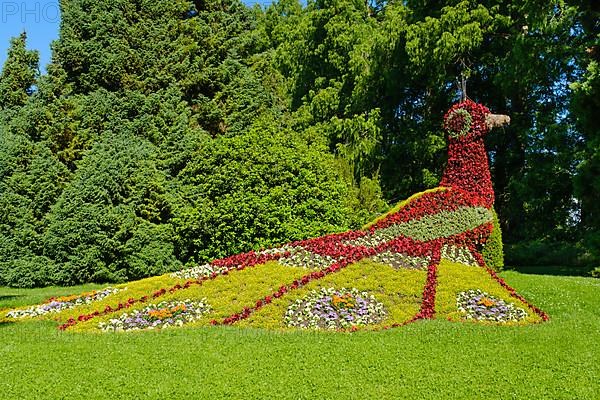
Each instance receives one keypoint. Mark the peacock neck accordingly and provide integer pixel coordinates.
(468, 169)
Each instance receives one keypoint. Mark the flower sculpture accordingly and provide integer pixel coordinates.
(451, 222)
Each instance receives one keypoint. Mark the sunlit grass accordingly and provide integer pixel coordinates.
(425, 360)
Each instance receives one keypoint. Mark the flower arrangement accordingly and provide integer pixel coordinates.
(238, 261)
(199, 271)
(348, 255)
(513, 292)
(428, 227)
(57, 304)
(335, 309)
(459, 254)
(399, 260)
(480, 306)
(302, 258)
(458, 123)
(467, 166)
(158, 316)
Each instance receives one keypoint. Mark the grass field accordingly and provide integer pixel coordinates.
(424, 360)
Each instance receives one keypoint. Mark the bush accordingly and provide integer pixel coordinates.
(259, 189)
(493, 250)
(108, 224)
(31, 271)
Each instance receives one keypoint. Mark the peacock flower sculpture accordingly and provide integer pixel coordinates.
(422, 260)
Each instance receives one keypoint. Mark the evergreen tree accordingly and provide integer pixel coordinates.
(18, 74)
(31, 178)
(107, 224)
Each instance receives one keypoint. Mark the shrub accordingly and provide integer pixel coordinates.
(259, 189)
(493, 251)
(549, 253)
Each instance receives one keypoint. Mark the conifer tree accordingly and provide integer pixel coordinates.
(19, 73)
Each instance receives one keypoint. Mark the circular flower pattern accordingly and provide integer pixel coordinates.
(331, 308)
(158, 316)
(480, 306)
(458, 123)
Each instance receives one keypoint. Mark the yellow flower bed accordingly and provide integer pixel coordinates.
(454, 278)
(400, 291)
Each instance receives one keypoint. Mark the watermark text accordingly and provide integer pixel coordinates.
(29, 11)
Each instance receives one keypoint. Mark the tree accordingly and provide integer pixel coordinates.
(108, 224)
(19, 73)
(31, 178)
(585, 106)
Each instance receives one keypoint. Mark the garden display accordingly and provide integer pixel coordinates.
(427, 258)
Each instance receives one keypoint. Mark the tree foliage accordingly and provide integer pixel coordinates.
(19, 73)
(156, 139)
(171, 132)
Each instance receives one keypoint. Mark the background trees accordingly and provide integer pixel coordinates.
(174, 132)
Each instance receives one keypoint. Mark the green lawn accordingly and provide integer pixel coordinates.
(435, 359)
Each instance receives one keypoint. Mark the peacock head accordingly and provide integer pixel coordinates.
(468, 121)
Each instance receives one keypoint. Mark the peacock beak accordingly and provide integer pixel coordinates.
(496, 120)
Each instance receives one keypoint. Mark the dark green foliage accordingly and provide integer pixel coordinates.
(125, 44)
(201, 50)
(551, 253)
(141, 149)
(493, 250)
(108, 224)
(321, 50)
(287, 118)
(31, 179)
(587, 178)
(18, 74)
